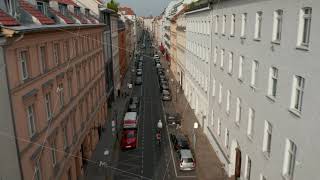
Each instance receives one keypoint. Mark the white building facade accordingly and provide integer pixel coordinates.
(263, 90)
(197, 55)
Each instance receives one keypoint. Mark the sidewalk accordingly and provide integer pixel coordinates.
(108, 138)
(208, 165)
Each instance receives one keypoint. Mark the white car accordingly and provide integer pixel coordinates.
(187, 163)
(156, 56)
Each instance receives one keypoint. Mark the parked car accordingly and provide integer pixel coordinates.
(130, 120)
(138, 80)
(179, 141)
(129, 139)
(187, 162)
(139, 73)
(156, 56)
(158, 65)
(134, 100)
(166, 96)
(173, 118)
(164, 86)
(133, 108)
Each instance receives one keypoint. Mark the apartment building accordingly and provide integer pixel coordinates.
(263, 90)
(115, 51)
(173, 47)
(197, 73)
(52, 89)
(122, 49)
(181, 48)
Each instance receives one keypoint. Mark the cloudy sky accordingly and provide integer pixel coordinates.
(145, 7)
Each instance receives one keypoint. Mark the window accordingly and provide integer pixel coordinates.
(254, 73)
(233, 22)
(220, 93)
(304, 27)
(56, 53)
(215, 51)
(216, 24)
(8, 4)
(240, 73)
(243, 24)
(230, 68)
(77, 10)
(247, 172)
(67, 49)
(43, 59)
(43, 7)
(228, 101)
(223, 29)
(297, 93)
(222, 58)
(277, 25)
(65, 137)
(47, 102)
(251, 116)
(31, 120)
(37, 171)
(63, 9)
(61, 95)
(266, 148)
(69, 87)
(273, 79)
(226, 138)
(53, 153)
(24, 65)
(257, 34)
(238, 111)
(219, 127)
(289, 159)
(213, 86)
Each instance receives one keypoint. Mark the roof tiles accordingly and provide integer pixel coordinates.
(66, 19)
(35, 12)
(7, 20)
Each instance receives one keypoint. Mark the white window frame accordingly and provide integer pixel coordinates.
(220, 93)
(251, 119)
(240, 72)
(232, 24)
(243, 25)
(48, 105)
(277, 25)
(267, 138)
(228, 101)
(219, 127)
(213, 86)
(289, 160)
(230, 68)
(56, 52)
(226, 138)
(254, 73)
(24, 64)
(247, 172)
(215, 55)
(223, 27)
(43, 58)
(221, 58)
(258, 25)
(31, 120)
(262, 177)
(297, 93)
(273, 82)
(304, 30)
(238, 111)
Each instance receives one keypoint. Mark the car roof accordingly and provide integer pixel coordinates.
(130, 115)
(186, 153)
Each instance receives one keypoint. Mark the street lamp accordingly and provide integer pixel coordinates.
(195, 126)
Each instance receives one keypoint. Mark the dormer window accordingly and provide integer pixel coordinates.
(43, 7)
(9, 7)
(63, 9)
(77, 10)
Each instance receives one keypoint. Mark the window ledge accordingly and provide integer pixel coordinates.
(254, 88)
(271, 98)
(295, 112)
(216, 33)
(257, 39)
(223, 34)
(266, 154)
(229, 73)
(240, 80)
(221, 68)
(250, 137)
(237, 124)
(243, 37)
(275, 42)
(231, 35)
(303, 48)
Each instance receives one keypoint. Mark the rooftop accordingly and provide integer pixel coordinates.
(7, 20)
(126, 11)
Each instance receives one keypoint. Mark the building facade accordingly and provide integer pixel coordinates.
(181, 49)
(54, 89)
(263, 88)
(197, 61)
(173, 48)
(122, 49)
(115, 52)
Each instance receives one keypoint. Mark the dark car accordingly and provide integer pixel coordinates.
(134, 100)
(173, 118)
(179, 141)
(164, 86)
(139, 72)
(138, 80)
(166, 95)
(129, 139)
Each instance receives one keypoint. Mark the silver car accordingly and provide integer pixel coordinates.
(166, 96)
(187, 162)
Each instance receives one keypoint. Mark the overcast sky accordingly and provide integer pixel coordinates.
(145, 7)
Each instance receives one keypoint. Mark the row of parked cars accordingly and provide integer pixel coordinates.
(137, 69)
(129, 138)
(163, 80)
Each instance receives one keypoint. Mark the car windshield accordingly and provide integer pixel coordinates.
(130, 135)
(187, 160)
